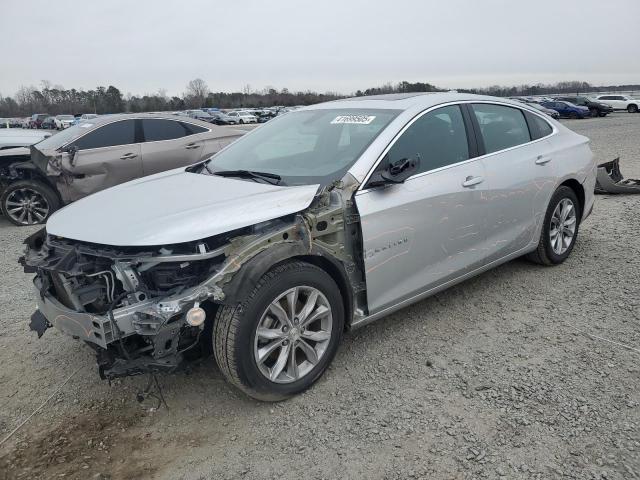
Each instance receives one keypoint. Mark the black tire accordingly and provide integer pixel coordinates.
(594, 112)
(602, 114)
(46, 192)
(633, 108)
(235, 330)
(241, 121)
(544, 253)
(573, 115)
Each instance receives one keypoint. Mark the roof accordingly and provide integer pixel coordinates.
(406, 101)
(102, 119)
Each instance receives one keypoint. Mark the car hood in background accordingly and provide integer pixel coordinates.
(175, 207)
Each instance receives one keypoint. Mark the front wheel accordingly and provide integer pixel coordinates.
(282, 338)
(560, 228)
(632, 108)
(594, 112)
(28, 202)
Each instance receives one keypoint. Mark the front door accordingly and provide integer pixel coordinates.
(430, 229)
(106, 156)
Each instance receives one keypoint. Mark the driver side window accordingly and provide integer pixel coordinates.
(438, 139)
(110, 135)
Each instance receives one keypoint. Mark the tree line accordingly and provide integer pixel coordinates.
(53, 99)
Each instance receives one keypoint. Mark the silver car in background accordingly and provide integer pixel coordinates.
(321, 220)
(102, 152)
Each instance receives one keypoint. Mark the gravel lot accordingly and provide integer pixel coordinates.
(512, 375)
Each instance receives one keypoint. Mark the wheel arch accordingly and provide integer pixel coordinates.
(578, 189)
(246, 279)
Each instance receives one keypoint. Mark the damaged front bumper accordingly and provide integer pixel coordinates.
(130, 304)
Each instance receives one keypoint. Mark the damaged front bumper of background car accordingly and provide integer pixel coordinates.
(143, 309)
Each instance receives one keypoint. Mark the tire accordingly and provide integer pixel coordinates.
(241, 122)
(573, 115)
(545, 253)
(44, 202)
(633, 108)
(594, 112)
(236, 343)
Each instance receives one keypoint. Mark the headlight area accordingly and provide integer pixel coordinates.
(136, 308)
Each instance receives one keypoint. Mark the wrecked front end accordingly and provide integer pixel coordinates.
(150, 309)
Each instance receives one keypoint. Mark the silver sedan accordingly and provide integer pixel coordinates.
(322, 220)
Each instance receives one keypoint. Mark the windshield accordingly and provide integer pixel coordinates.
(64, 136)
(306, 147)
(65, 117)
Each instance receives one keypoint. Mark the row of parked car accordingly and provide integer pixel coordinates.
(580, 106)
(235, 117)
(210, 115)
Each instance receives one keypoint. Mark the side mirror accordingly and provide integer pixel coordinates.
(396, 172)
(71, 150)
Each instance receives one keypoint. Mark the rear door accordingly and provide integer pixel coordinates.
(106, 156)
(430, 229)
(519, 174)
(170, 144)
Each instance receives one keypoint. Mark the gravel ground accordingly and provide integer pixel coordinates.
(513, 374)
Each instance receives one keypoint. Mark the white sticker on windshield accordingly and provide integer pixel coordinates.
(85, 125)
(358, 119)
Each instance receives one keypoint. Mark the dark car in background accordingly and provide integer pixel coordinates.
(36, 120)
(567, 109)
(598, 109)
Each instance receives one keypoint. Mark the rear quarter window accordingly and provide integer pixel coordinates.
(538, 126)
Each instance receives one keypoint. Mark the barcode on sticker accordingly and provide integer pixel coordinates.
(359, 119)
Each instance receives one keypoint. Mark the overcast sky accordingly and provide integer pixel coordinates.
(141, 46)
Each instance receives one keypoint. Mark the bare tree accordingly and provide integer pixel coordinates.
(197, 92)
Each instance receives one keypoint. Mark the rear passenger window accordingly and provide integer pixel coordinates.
(193, 129)
(438, 138)
(156, 130)
(538, 127)
(112, 134)
(502, 127)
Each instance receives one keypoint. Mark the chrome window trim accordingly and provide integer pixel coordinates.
(127, 144)
(362, 189)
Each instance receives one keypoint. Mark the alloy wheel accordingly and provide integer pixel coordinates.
(27, 206)
(293, 334)
(563, 226)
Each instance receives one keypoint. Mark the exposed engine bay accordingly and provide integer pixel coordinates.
(150, 309)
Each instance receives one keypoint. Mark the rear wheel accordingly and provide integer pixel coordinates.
(560, 228)
(594, 112)
(281, 339)
(28, 202)
(573, 115)
(632, 108)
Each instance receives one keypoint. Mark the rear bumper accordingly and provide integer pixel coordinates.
(589, 186)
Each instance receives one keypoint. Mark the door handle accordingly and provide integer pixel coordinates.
(541, 160)
(191, 146)
(471, 181)
(127, 156)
